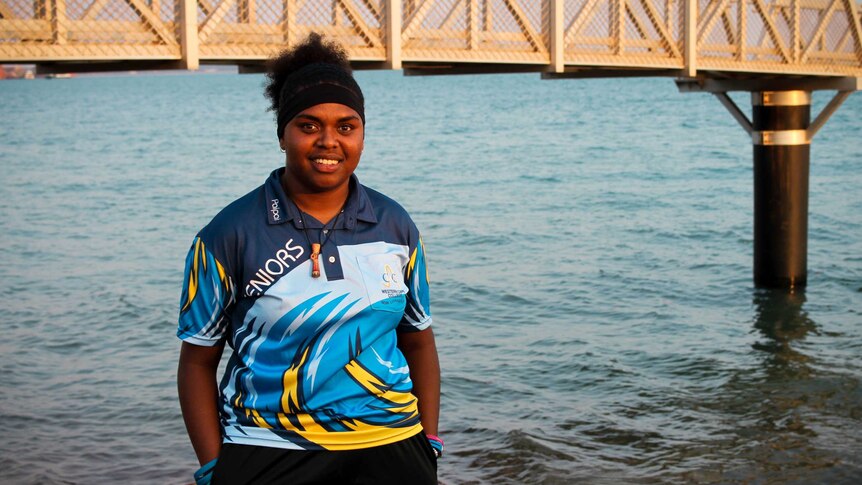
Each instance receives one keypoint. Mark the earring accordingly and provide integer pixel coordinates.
(282, 150)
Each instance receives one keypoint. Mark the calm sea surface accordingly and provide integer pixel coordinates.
(590, 247)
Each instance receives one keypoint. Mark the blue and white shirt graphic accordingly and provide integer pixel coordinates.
(315, 363)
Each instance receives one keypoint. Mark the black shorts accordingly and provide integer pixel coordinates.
(409, 461)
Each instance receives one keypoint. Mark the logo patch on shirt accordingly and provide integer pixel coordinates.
(389, 277)
(384, 282)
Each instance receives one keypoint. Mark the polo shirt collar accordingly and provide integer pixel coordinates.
(280, 209)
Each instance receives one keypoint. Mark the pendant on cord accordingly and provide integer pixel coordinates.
(315, 264)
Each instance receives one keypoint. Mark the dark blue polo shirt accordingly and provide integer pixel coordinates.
(315, 363)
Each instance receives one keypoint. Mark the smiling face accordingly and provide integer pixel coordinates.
(323, 144)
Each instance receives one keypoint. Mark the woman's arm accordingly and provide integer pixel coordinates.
(198, 391)
(421, 353)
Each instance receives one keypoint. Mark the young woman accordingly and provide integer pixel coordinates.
(318, 285)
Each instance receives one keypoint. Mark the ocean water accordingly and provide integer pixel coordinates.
(590, 251)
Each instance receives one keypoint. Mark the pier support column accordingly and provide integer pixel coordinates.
(781, 131)
(782, 151)
(189, 41)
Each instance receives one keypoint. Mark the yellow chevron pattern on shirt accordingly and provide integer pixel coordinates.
(306, 425)
(290, 404)
(200, 263)
(194, 275)
(412, 263)
(399, 402)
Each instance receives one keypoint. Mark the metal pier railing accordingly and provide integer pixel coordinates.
(787, 37)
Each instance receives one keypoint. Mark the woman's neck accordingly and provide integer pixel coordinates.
(323, 206)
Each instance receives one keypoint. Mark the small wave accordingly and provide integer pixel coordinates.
(541, 179)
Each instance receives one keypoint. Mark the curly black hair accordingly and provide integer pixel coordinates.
(312, 50)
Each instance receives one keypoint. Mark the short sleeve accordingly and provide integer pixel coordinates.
(206, 298)
(417, 313)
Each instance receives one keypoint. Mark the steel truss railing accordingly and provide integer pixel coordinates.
(806, 37)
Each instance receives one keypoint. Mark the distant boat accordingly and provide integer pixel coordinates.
(58, 76)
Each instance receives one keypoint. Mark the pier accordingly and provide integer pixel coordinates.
(777, 50)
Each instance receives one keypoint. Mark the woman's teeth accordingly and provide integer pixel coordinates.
(325, 161)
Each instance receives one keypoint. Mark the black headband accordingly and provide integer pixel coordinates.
(318, 94)
(315, 84)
